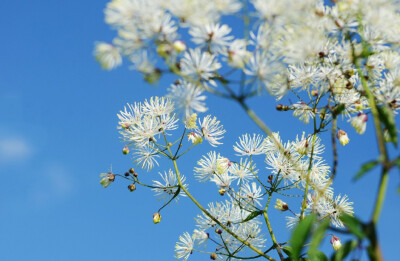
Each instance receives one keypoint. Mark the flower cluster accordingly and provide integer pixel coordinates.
(333, 64)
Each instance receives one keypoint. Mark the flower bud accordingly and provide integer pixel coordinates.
(218, 231)
(270, 177)
(343, 138)
(132, 187)
(336, 244)
(222, 191)
(360, 122)
(314, 93)
(163, 49)
(195, 138)
(125, 150)
(126, 174)
(125, 125)
(179, 46)
(213, 256)
(156, 218)
(280, 205)
(107, 178)
(281, 107)
(131, 170)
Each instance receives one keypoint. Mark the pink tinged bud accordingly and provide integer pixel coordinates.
(360, 122)
(107, 178)
(156, 218)
(343, 138)
(336, 244)
(314, 93)
(125, 150)
(179, 46)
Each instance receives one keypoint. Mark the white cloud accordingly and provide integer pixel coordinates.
(54, 183)
(14, 149)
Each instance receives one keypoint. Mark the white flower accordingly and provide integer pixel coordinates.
(108, 55)
(244, 170)
(341, 205)
(184, 247)
(359, 122)
(211, 130)
(214, 36)
(249, 145)
(199, 65)
(252, 193)
(237, 54)
(188, 98)
(303, 111)
(200, 236)
(222, 180)
(146, 157)
(168, 186)
(157, 106)
(208, 166)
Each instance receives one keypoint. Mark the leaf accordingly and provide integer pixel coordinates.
(387, 118)
(317, 237)
(288, 250)
(366, 167)
(353, 224)
(318, 256)
(344, 250)
(252, 215)
(300, 235)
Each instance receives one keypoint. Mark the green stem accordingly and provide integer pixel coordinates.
(278, 248)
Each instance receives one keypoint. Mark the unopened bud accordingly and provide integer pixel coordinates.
(132, 187)
(343, 138)
(218, 231)
(280, 205)
(179, 46)
(270, 177)
(314, 93)
(222, 191)
(126, 174)
(125, 125)
(281, 107)
(213, 256)
(156, 218)
(125, 150)
(336, 244)
(131, 170)
(107, 178)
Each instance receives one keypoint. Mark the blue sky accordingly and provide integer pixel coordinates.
(58, 132)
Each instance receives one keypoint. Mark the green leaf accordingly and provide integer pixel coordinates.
(288, 250)
(318, 256)
(353, 224)
(252, 215)
(300, 235)
(344, 250)
(366, 167)
(387, 118)
(317, 237)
